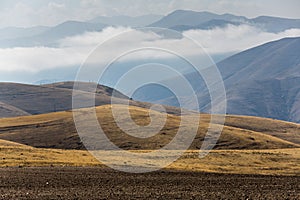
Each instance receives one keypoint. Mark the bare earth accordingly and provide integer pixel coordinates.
(102, 183)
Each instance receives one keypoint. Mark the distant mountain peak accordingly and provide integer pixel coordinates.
(193, 19)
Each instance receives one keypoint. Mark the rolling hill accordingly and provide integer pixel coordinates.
(7, 110)
(57, 130)
(22, 99)
(88, 87)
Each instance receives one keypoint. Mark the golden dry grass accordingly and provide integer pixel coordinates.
(14, 154)
(248, 145)
(275, 161)
(57, 130)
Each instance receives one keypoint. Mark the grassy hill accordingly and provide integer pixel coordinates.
(57, 130)
(7, 110)
(22, 99)
(36, 99)
(248, 145)
(88, 87)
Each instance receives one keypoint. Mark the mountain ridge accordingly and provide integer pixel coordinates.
(261, 81)
(193, 19)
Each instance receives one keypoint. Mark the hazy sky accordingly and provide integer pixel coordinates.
(26, 13)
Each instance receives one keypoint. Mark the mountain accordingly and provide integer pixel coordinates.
(276, 24)
(138, 21)
(215, 23)
(265, 81)
(57, 130)
(182, 20)
(71, 28)
(262, 81)
(17, 32)
(49, 36)
(193, 18)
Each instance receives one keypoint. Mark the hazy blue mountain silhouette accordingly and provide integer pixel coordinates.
(215, 23)
(17, 32)
(276, 24)
(193, 18)
(262, 81)
(49, 36)
(138, 21)
(182, 20)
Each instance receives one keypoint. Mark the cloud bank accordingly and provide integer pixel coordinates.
(72, 51)
(236, 38)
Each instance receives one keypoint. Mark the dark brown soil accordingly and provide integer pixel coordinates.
(97, 183)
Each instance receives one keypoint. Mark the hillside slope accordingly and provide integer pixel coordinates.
(89, 87)
(265, 81)
(32, 99)
(262, 81)
(7, 110)
(57, 130)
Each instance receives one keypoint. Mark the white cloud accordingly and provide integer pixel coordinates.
(74, 50)
(93, 38)
(35, 59)
(236, 38)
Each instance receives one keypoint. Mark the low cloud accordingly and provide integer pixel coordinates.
(73, 51)
(35, 59)
(236, 38)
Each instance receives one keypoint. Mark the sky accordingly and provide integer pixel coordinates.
(33, 63)
(26, 13)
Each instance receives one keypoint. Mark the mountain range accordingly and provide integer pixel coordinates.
(180, 20)
(138, 21)
(185, 19)
(261, 81)
(49, 36)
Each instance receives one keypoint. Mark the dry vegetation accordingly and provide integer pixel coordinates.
(57, 130)
(248, 145)
(276, 161)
